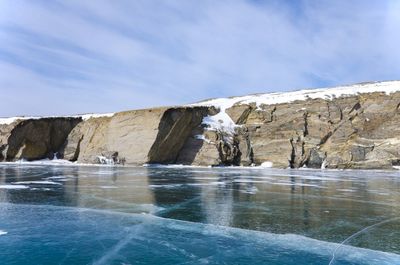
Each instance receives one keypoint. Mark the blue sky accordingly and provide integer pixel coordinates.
(70, 57)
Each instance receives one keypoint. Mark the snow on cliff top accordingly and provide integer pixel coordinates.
(84, 117)
(222, 122)
(285, 97)
(268, 98)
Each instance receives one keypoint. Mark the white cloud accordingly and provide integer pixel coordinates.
(99, 56)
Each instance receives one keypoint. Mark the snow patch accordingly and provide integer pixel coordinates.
(94, 115)
(202, 137)
(7, 121)
(266, 164)
(105, 161)
(323, 165)
(387, 87)
(221, 122)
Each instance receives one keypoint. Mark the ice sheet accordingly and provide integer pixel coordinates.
(106, 237)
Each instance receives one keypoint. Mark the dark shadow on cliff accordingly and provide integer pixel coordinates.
(37, 139)
(176, 141)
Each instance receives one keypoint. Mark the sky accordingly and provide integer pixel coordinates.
(73, 57)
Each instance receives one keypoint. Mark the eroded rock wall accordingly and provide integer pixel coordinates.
(352, 131)
(360, 131)
(34, 139)
(138, 137)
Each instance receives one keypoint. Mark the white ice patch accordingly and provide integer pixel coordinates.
(105, 161)
(266, 164)
(108, 187)
(45, 161)
(13, 187)
(54, 161)
(40, 182)
(323, 165)
(60, 178)
(3, 233)
(173, 166)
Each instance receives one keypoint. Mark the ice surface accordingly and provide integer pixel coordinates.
(49, 162)
(106, 237)
(108, 187)
(14, 187)
(214, 215)
(41, 182)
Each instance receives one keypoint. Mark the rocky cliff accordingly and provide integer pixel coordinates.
(34, 139)
(346, 127)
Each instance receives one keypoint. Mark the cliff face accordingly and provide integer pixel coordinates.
(34, 139)
(340, 130)
(350, 132)
(134, 137)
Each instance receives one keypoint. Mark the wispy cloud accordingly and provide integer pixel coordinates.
(65, 57)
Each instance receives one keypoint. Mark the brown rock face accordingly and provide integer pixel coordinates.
(139, 137)
(176, 125)
(353, 131)
(34, 139)
(349, 132)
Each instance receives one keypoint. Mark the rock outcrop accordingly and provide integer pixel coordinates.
(138, 137)
(34, 139)
(360, 131)
(316, 129)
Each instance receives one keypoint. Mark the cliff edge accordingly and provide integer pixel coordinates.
(353, 126)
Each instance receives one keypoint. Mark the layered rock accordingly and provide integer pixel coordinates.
(360, 131)
(34, 139)
(138, 137)
(349, 127)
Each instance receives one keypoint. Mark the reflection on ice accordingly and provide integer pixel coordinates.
(43, 182)
(242, 212)
(84, 236)
(13, 187)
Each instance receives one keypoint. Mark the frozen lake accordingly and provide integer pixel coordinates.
(157, 215)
